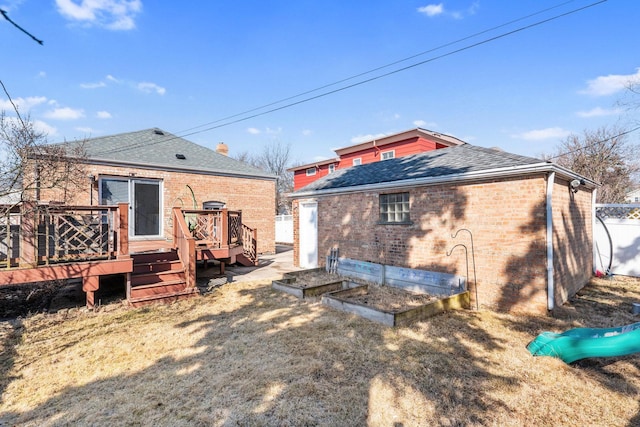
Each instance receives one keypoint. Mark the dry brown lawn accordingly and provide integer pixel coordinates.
(248, 355)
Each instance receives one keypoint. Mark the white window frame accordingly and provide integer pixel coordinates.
(310, 171)
(332, 168)
(357, 161)
(386, 155)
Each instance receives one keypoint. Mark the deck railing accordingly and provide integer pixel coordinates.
(185, 242)
(219, 228)
(34, 234)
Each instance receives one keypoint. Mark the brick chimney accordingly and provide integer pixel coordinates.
(222, 148)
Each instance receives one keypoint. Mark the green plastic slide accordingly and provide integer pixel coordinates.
(580, 343)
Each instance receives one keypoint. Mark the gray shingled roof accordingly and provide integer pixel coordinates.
(460, 159)
(157, 148)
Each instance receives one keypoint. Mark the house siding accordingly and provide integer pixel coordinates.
(507, 218)
(254, 197)
(572, 239)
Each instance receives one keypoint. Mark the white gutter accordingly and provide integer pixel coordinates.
(550, 284)
(451, 178)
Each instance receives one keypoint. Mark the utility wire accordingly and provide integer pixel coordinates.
(6, 16)
(595, 143)
(362, 82)
(355, 76)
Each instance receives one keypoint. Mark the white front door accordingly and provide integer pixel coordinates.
(308, 232)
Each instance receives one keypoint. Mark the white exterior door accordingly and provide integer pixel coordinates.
(308, 233)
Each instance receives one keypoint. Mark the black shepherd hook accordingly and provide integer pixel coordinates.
(466, 257)
(473, 259)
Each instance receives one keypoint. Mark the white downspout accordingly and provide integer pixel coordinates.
(593, 230)
(550, 284)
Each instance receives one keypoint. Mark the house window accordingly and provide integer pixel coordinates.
(394, 208)
(311, 171)
(357, 161)
(386, 155)
(332, 168)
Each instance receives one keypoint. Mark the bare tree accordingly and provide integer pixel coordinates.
(274, 158)
(603, 155)
(30, 166)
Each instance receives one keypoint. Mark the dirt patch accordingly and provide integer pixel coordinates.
(309, 279)
(389, 299)
(21, 300)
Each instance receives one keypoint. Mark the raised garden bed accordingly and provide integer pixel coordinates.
(391, 306)
(310, 283)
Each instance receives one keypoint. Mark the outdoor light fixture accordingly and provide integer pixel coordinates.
(575, 184)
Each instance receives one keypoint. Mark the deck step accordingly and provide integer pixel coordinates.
(156, 266)
(168, 288)
(165, 298)
(157, 278)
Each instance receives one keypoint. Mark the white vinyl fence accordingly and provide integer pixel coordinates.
(284, 228)
(617, 239)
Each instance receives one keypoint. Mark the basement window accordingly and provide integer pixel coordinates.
(394, 208)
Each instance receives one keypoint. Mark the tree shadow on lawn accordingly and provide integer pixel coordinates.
(276, 360)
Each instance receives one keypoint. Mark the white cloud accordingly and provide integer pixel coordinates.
(112, 79)
(110, 14)
(432, 9)
(275, 131)
(608, 85)
(45, 128)
(424, 125)
(64, 113)
(306, 132)
(148, 87)
(253, 131)
(42, 75)
(103, 115)
(23, 104)
(370, 137)
(86, 130)
(598, 112)
(541, 134)
(92, 85)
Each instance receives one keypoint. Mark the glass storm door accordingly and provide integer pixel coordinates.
(144, 201)
(146, 208)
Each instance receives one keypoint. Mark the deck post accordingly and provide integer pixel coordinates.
(29, 235)
(225, 227)
(90, 284)
(123, 229)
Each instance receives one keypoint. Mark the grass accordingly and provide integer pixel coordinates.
(248, 355)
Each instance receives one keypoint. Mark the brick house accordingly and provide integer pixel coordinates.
(154, 171)
(526, 224)
(397, 145)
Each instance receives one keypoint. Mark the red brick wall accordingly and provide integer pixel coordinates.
(572, 240)
(254, 197)
(507, 218)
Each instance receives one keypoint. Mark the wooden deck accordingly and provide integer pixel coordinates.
(42, 243)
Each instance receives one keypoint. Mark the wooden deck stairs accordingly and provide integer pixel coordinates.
(158, 276)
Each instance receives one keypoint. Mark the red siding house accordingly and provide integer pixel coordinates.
(397, 145)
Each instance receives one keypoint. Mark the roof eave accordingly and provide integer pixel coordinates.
(147, 166)
(452, 178)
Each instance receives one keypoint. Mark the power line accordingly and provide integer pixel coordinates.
(6, 16)
(364, 73)
(595, 143)
(362, 82)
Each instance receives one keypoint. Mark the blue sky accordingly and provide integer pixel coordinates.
(112, 66)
